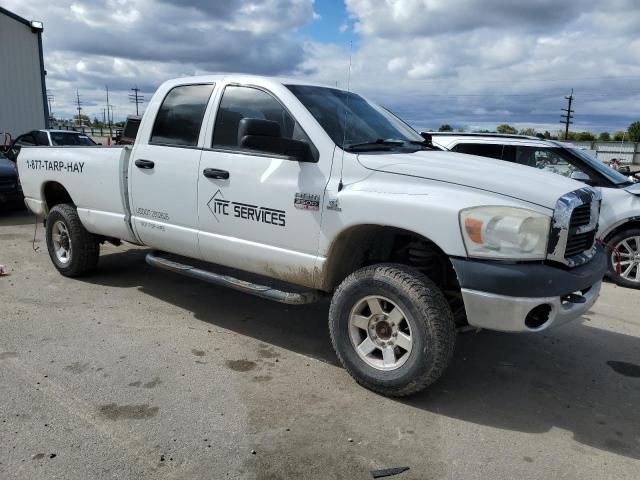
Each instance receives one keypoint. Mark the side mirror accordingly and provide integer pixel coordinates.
(581, 177)
(265, 136)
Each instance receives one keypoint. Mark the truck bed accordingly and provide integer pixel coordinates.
(94, 178)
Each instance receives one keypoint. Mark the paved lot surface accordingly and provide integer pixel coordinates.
(138, 373)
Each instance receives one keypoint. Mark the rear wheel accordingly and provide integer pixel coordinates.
(73, 250)
(627, 245)
(392, 329)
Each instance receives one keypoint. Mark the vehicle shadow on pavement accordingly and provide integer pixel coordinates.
(527, 383)
(535, 383)
(299, 328)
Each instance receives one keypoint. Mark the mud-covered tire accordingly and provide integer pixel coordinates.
(630, 235)
(427, 313)
(83, 248)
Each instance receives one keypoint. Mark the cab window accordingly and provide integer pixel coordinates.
(27, 140)
(179, 118)
(541, 158)
(481, 149)
(247, 102)
(42, 139)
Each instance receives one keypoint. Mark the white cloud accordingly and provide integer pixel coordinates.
(463, 62)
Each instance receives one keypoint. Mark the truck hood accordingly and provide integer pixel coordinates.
(635, 189)
(496, 176)
(7, 168)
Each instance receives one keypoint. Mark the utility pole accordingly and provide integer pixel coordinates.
(136, 98)
(50, 99)
(567, 118)
(79, 107)
(109, 118)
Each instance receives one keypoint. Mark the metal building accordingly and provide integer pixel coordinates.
(23, 93)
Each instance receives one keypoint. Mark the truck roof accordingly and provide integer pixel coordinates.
(448, 139)
(243, 78)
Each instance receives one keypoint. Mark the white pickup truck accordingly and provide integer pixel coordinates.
(294, 191)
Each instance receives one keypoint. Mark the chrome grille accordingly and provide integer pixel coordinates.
(581, 216)
(574, 226)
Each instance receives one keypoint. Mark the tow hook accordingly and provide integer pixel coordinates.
(573, 298)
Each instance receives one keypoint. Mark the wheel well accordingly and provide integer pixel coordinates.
(633, 222)
(366, 245)
(54, 194)
(369, 244)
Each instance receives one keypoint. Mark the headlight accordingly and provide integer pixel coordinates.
(505, 233)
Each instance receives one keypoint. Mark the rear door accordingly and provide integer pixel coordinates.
(263, 213)
(164, 172)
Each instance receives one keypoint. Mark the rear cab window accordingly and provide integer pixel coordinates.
(179, 119)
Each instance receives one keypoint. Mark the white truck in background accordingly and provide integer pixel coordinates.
(619, 222)
(307, 191)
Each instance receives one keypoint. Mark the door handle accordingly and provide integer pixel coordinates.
(144, 164)
(215, 173)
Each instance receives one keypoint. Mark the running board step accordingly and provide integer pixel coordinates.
(301, 297)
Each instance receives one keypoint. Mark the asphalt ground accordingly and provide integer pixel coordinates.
(138, 373)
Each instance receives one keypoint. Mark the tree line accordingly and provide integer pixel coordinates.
(632, 134)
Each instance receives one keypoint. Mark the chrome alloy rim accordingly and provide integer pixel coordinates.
(629, 251)
(380, 333)
(61, 242)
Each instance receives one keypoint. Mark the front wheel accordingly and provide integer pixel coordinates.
(627, 244)
(73, 250)
(392, 329)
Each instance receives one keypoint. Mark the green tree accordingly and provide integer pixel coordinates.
(604, 137)
(634, 132)
(619, 136)
(585, 137)
(547, 134)
(531, 132)
(445, 128)
(505, 128)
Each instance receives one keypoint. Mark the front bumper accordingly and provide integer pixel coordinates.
(527, 297)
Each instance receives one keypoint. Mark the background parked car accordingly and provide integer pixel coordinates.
(10, 189)
(619, 223)
(48, 138)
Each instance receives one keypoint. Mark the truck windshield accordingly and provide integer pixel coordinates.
(355, 123)
(609, 173)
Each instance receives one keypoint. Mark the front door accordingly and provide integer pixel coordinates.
(164, 172)
(259, 211)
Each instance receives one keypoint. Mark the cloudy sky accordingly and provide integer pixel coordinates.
(469, 63)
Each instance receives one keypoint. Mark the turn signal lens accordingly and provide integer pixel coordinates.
(474, 229)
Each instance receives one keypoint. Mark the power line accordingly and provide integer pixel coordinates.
(567, 118)
(136, 98)
(79, 104)
(50, 99)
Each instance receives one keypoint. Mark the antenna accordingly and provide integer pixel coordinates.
(344, 134)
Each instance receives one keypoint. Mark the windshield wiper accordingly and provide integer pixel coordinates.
(379, 144)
